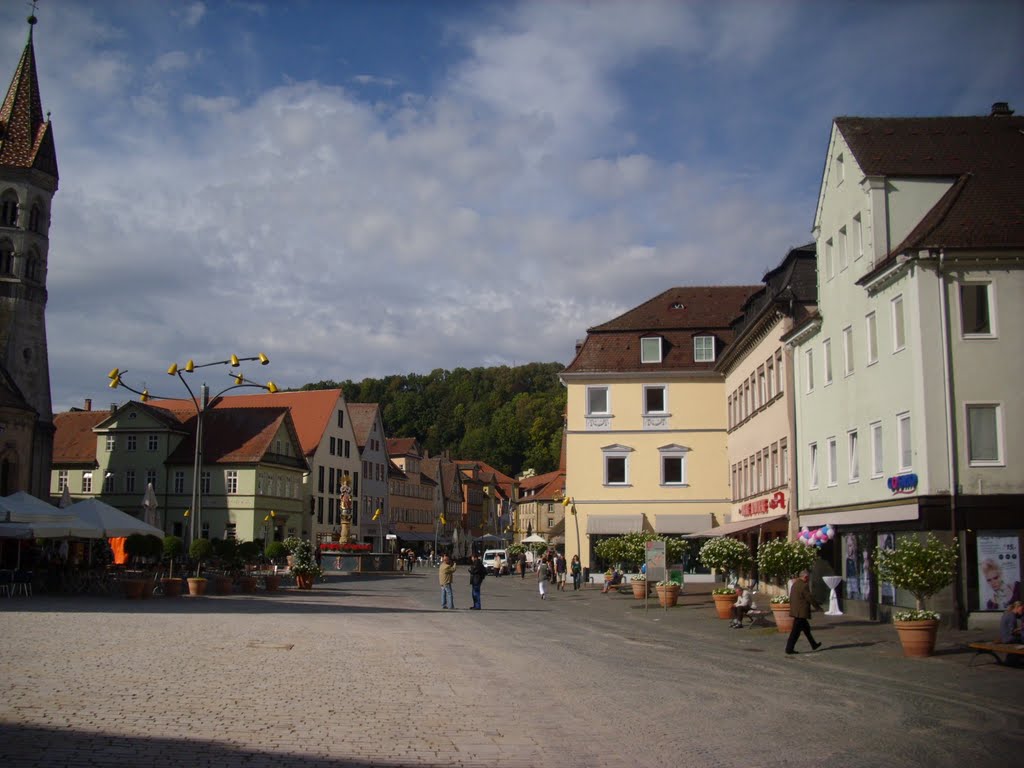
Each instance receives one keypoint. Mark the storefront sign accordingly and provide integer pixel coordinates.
(762, 506)
(903, 483)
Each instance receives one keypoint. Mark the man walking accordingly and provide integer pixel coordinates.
(800, 602)
(477, 572)
(444, 575)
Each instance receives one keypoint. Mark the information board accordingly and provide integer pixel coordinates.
(655, 560)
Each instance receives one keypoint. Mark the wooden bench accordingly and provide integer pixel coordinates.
(995, 649)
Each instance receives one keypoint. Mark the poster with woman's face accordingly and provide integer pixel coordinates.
(887, 591)
(851, 572)
(998, 569)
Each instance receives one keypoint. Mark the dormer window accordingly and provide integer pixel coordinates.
(650, 349)
(704, 349)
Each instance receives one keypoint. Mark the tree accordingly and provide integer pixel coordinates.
(724, 553)
(921, 568)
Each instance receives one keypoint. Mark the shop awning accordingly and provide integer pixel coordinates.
(677, 523)
(737, 526)
(615, 524)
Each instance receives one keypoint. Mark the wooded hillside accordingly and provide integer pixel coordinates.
(510, 418)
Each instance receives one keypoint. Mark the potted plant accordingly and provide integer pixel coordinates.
(304, 565)
(781, 560)
(668, 593)
(172, 548)
(290, 545)
(724, 598)
(139, 548)
(248, 552)
(199, 550)
(226, 553)
(921, 568)
(729, 556)
(639, 584)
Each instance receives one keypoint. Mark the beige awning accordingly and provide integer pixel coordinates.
(678, 523)
(737, 526)
(615, 524)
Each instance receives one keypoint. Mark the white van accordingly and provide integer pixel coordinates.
(491, 556)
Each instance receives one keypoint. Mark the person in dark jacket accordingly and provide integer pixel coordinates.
(477, 572)
(800, 602)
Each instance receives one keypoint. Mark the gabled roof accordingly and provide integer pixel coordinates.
(487, 475)
(236, 436)
(678, 316)
(73, 440)
(311, 410)
(26, 139)
(363, 416)
(403, 446)
(550, 485)
(982, 156)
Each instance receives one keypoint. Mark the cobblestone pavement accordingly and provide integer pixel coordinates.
(368, 671)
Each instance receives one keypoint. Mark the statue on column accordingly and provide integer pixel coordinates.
(346, 509)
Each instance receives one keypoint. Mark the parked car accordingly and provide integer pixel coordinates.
(491, 556)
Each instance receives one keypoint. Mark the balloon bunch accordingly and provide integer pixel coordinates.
(816, 537)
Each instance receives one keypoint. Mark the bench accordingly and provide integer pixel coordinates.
(995, 649)
(757, 617)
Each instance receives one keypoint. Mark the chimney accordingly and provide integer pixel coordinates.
(579, 345)
(88, 404)
(1001, 109)
(113, 407)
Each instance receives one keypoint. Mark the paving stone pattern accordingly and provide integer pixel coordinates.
(368, 671)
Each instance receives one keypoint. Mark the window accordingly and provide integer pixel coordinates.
(871, 331)
(775, 465)
(810, 369)
(833, 461)
(179, 481)
(35, 218)
(830, 267)
(783, 461)
(129, 481)
(858, 237)
(899, 338)
(673, 464)
(205, 531)
(132, 441)
(231, 481)
(62, 480)
(770, 378)
(229, 531)
(616, 465)
(975, 309)
(654, 399)
(984, 434)
(778, 372)
(826, 353)
(597, 401)
(704, 349)
(650, 349)
(876, 449)
(6, 258)
(841, 248)
(348, 449)
(903, 436)
(341, 418)
(320, 479)
(204, 482)
(762, 386)
(153, 443)
(852, 448)
(33, 268)
(151, 478)
(109, 484)
(9, 210)
(333, 446)
(848, 350)
(840, 169)
(111, 443)
(87, 482)
(812, 465)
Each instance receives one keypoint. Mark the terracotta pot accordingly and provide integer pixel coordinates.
(639, 589)
(668, 596)
(303, 581)
(222, 584)
(917, 637)
(133, 588)
(197, 586)
(782, 618)
(172, 587)
(723, 605)
(247, 584)
(272, 581)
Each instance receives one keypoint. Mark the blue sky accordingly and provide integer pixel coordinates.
(365, 188)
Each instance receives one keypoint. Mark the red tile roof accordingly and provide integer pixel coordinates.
(363, 416)
(26, 139)
(403, 446)
(234, 435)
(678, 316)
(73, 440)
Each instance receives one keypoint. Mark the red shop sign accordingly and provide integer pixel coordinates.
(762, 506)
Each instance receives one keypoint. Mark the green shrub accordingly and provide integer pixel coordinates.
(783, 560)
(276, 551)
(724, 553)
(921, 568)
(199, 550)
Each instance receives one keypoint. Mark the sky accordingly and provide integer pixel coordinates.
(358, 189)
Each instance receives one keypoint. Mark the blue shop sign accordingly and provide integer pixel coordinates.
(903, 483)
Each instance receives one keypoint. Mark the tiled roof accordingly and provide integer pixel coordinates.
(26, 139)
(234, 435)
(402, 446)
(985, 157)
(546, 486)
(678, 315)
(363, 417)
(73, 440)
(311, 411)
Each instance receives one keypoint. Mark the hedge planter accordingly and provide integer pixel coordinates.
(724, 604)
(782, 618)
(917, 637)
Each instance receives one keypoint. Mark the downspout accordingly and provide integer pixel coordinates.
(959, 614)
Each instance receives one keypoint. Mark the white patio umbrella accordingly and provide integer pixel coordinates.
(65, 498)
(111, 520)
(149, 506)
(535, 539)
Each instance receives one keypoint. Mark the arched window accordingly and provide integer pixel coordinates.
(9, 209)
(36, 218)
(6, 258)
(33, 267)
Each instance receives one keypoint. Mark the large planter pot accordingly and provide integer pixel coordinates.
(247, 584)
(639, 589)
(302, 581)
(917, 637)
(133, 588)
(197, 586)
(668, 595)
(272, 582)
(172, 587)
(222, 584)
(723, 605)
(782, 618)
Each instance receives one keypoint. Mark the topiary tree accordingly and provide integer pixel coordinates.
(172, 547)
(921, 568)
(199, 550)
(781, 560)
(726, 554)
(140, 545)
(276, 551)
(249, 551)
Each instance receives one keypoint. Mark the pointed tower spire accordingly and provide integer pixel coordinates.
(26, 138)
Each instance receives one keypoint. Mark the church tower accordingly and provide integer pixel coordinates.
(28, 181)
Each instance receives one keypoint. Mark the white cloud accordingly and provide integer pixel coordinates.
(192, 14)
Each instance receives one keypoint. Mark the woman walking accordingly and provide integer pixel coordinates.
(577, 572)
(542, 577)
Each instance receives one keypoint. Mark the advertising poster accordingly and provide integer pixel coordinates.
(998, 569)
(851, 572)
(887, 591)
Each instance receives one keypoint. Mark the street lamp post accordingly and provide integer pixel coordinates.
(201, 404)
(570, 503)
